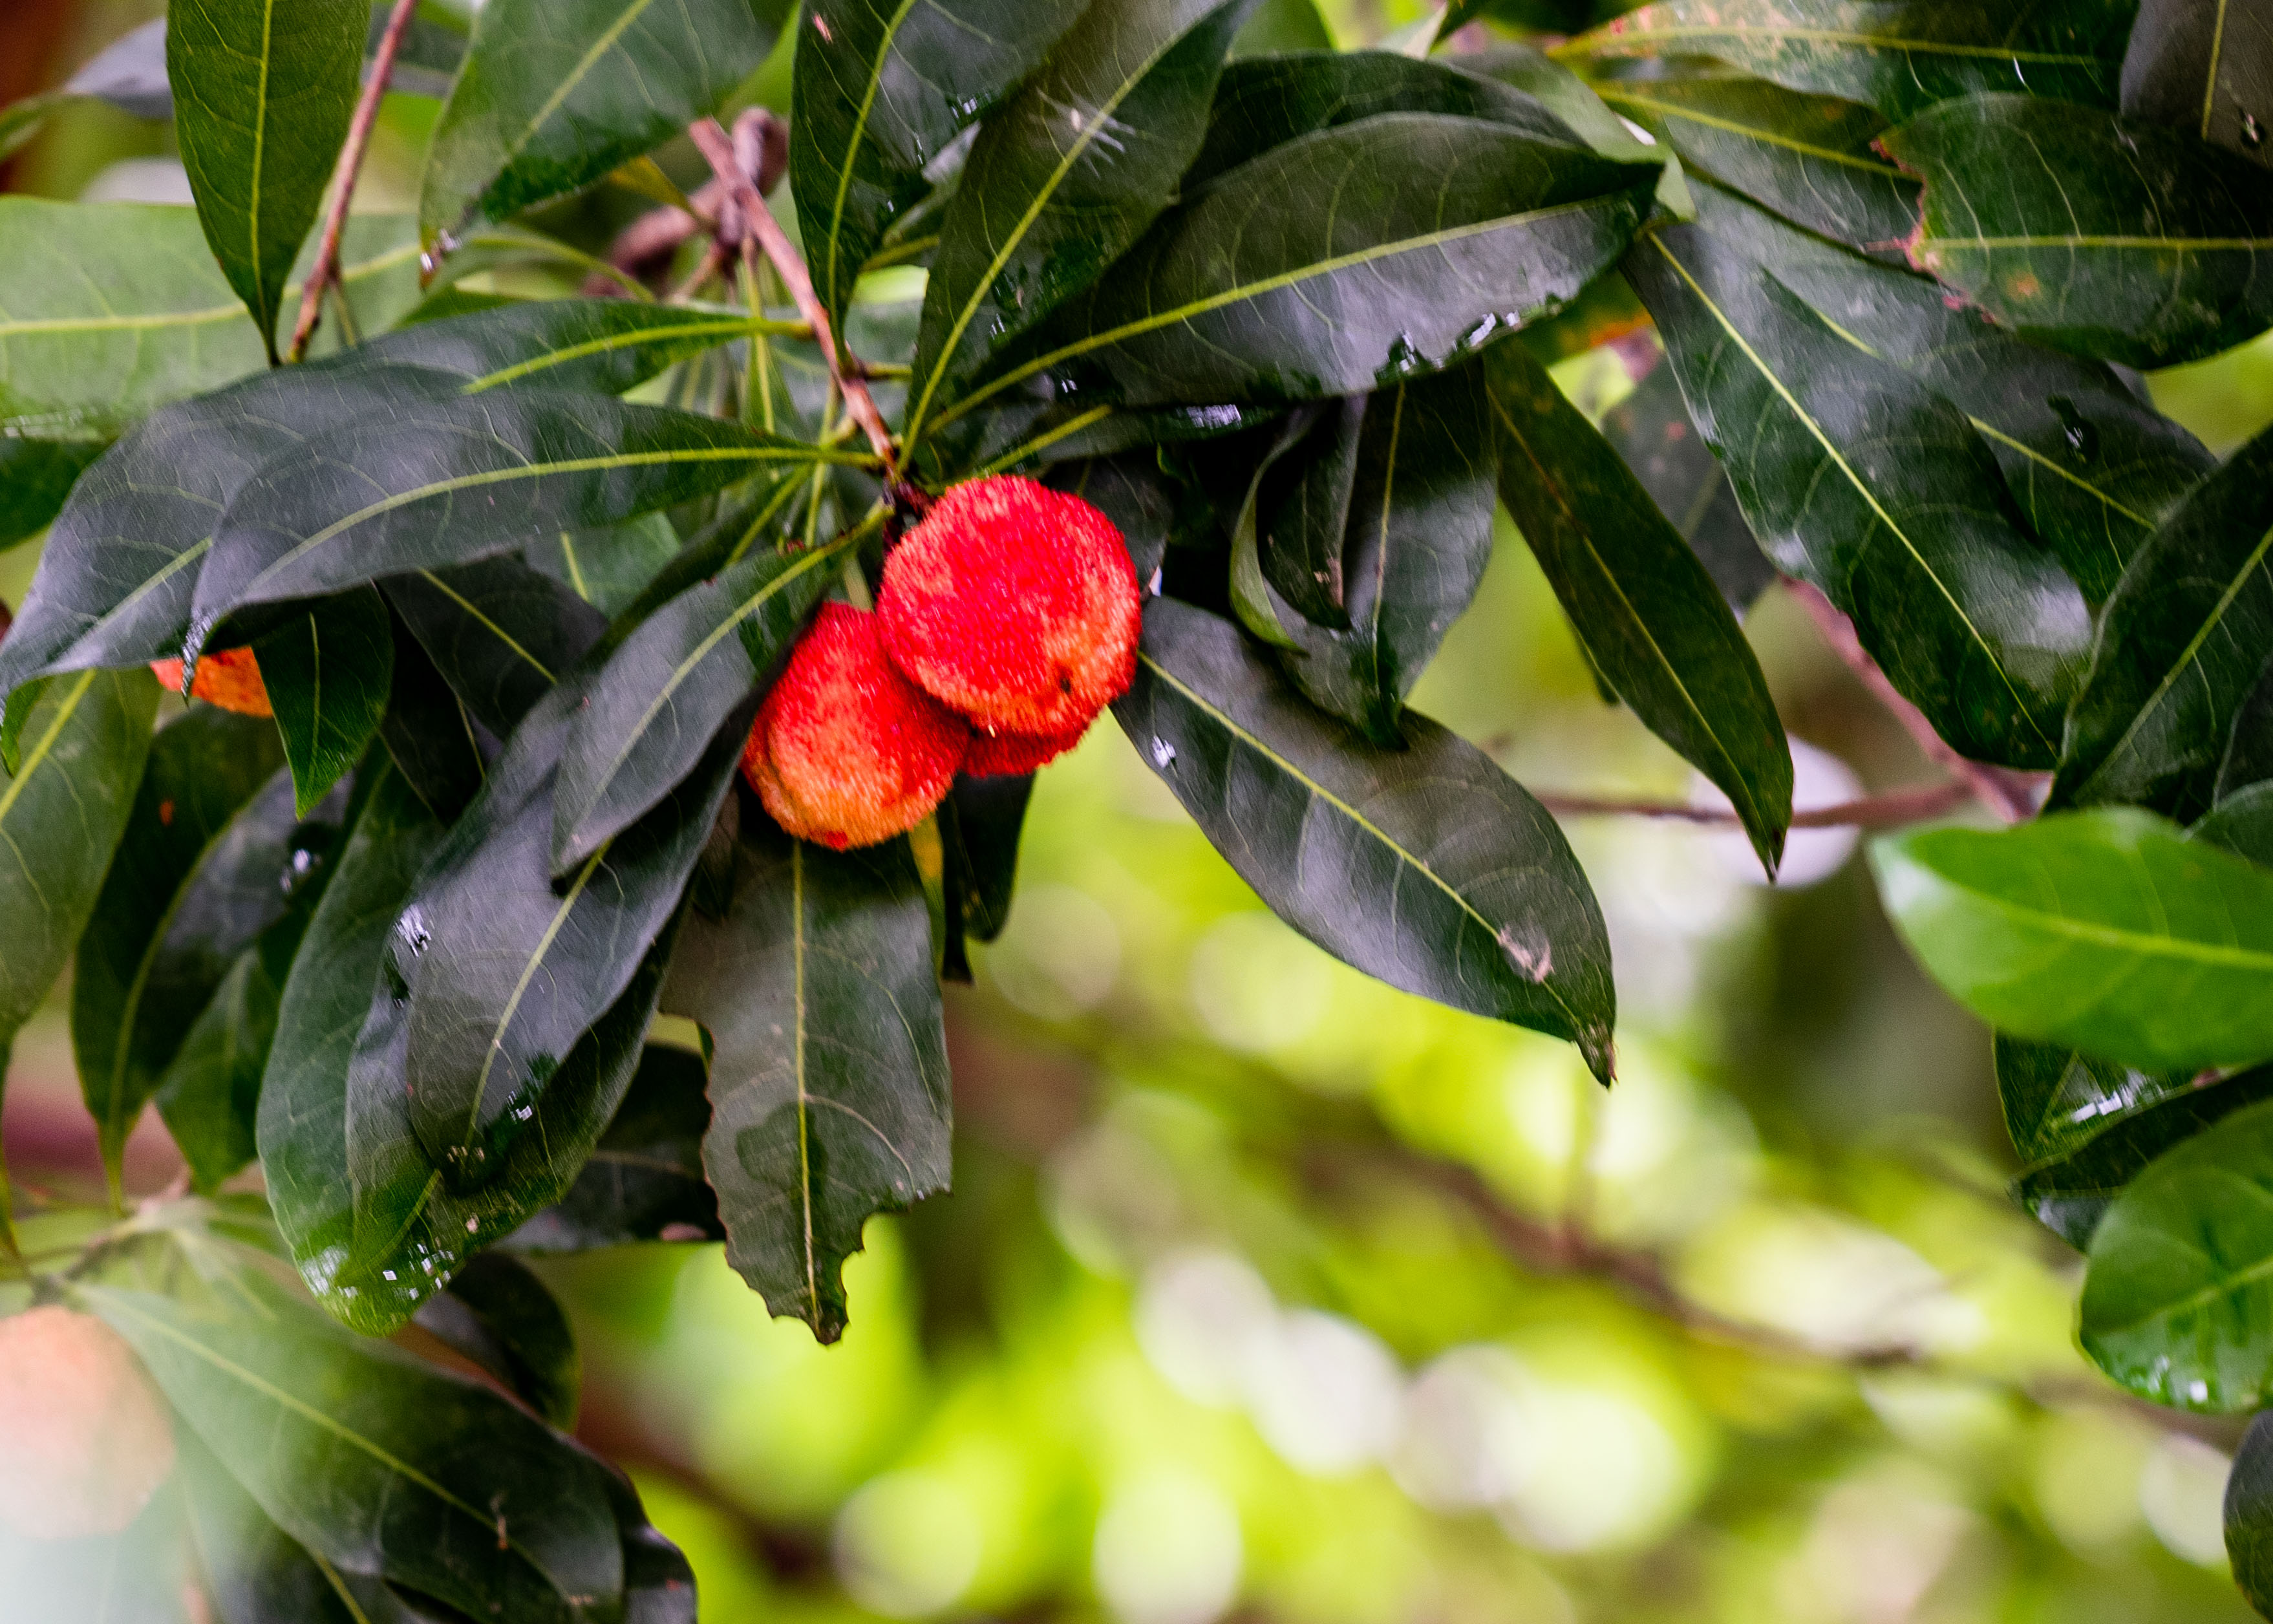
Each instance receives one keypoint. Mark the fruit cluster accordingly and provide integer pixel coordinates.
(1008, 620)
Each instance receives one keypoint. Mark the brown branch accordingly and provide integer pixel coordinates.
(749, 219)
(1891, 810)
(325, 271)
(2011, 795)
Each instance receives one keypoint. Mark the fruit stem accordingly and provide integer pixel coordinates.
(759, 225)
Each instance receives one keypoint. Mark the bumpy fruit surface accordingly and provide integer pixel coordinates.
(847, 751)
(1014, 605)
(85, 1439)
(1009, 754)
(230, 678)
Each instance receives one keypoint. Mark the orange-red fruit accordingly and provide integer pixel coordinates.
(85, 1439)
(230, 678)
(846, 751)
(1011, 754)
(1015, 604)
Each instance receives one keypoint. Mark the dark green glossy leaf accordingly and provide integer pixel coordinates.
(1306, 531)
(328, 670)
(1343, 261)
(828, 1078)
(382, 1465)
(1133, 491)
(2070, 1195)
(210, 1095)
(1251, 596)
(2056, 1099)
(191, 886)
(107, 309)
(2180, 645)
(1563, 94)
(2093, 467)
(1270, 101)
(2249, 1515)
(2134, 244)
(555, 93)
(1065, 176)
(503, 972)
(881, 89)
(1895, 55)
(608, 568)
(445, 482)
(2204, 66)
(35, 477)
(434, 49)
(262, 97)
(2242, 822)
(654, 709)
(644, 1180)
(1417, 536)
(2179, 1294)
(258, 1574)
(978, 827)
(61, 813)
(499, 1315)
(2108, 931)
(1283, 26)
(1427, 867)
(1652, 434)
(1810, 158)
(500, 633)
(1644, 607)
(1858, 480)
(428, 734)
(2249, 747)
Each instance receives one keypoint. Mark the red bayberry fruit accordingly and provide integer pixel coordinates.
(847, 751)
(1011, 754)
(1015, 604)
(230, 678)
(85, 1439)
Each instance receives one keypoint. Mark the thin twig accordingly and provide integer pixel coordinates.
(326, 268)
(757, 221)
(1893, 809)
(2011, 795)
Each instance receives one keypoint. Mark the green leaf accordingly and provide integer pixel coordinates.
(1858, 480)
(191, 886)
(428, 733)
(2249, 1515)
(2139, 245)
(1415, 535)
(555, 93)
(445, 482)
(262, 97)
(2242, 822)
(383, 1466)
(503, 972)
(107, 309)
(432, 50)
(2092, 466)
(1283, 26)
(2249, 747)
(210, 1095)
(2203, 66)
(63, 811)
(1897, 56)
(608, 568)
(328, 671)
(1065, 176)
(829, 1081)
(1267, 101)
(1644, 607)
(652, 713)
(881, 89)
(2108, 931)
(35, 478)
(1251, 599)
(1810, 158)
(499, 1315)
(644, 1180)
(1426, 867)
(2181, 1283)
(2071, 1194)
(2180, 645)
(1340, 261)
(1134, 491)
(978, 827)
(2055, 1098)
(1563, 94)
(500, 633)
(1651, 431)
(257, 1572)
